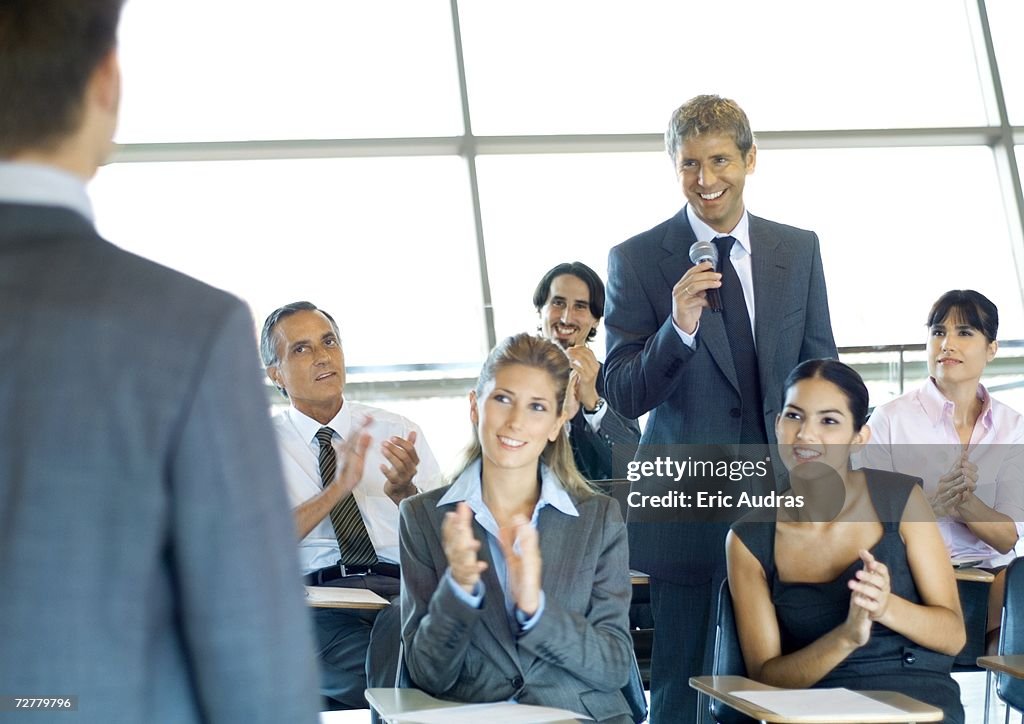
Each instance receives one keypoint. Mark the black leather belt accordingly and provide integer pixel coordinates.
(339, 570)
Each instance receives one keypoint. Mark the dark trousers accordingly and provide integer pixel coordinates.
(684, 640)
(344, 638)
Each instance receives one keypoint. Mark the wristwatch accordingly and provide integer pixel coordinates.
(598, 406)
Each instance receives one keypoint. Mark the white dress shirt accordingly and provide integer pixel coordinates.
(296, 435)
(739, 256)
(39, 185)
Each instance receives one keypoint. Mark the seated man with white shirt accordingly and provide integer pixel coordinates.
(349, 537)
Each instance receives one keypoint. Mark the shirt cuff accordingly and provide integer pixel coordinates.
(525, 624)
(474, 599)
(594, 419)
(690, 340)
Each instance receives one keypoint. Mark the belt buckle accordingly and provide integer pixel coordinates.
(349, 571)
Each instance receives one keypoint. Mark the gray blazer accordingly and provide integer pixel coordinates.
(147, 552)
(578, 655)
(693, 395)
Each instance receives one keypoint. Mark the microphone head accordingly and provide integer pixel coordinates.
(704, 251)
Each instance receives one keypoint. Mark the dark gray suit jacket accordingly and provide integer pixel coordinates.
(147, 552)
(693, 395)
(579, 654)
(615, 441)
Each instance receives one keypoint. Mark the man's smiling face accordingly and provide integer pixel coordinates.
(713, 171)
(566, 318)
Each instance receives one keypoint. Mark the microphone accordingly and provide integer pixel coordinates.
(702, 251)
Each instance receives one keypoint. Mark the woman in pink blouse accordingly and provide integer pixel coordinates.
(967, 446)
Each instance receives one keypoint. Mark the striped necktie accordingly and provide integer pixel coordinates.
(353, 538)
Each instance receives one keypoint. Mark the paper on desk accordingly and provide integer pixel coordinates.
(803, 702)
(502, 711)
(330, 594)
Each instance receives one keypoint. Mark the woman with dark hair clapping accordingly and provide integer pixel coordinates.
(967, 446)
(854, 589)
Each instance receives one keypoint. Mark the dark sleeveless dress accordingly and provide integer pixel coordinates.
(807, 611)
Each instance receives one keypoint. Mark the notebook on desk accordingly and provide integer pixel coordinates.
(806, 702)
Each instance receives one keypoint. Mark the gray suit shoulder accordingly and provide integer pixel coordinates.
(780, 230)
(426, 500)
(595, 501)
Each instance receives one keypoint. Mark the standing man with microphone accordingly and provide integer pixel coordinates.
(706, 377)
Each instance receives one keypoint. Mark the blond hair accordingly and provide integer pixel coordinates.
(708, 114)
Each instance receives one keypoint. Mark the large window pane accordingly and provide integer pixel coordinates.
(212, 70)
(545, 209)
(887, 377)
(898, 227)
(593, 66)
(1006, 18)
(386, 245)
(895, 232)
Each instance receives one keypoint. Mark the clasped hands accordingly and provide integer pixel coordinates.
(869, 598)
(955, 488)
(582, 380)
(519, 543)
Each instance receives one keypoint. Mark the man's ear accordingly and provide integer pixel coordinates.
(105, 83)
(751, 160)
(274, 376)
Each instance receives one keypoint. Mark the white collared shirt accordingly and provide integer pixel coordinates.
(300, 450)
(739, 256)
(41, 185)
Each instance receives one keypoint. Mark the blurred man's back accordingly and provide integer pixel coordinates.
(146, 547)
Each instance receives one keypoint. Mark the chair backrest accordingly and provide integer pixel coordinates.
(402, 678)
(974, 605)
(1011, 636)
(728, 657)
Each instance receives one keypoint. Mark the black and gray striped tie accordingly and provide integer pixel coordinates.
(353, 539)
